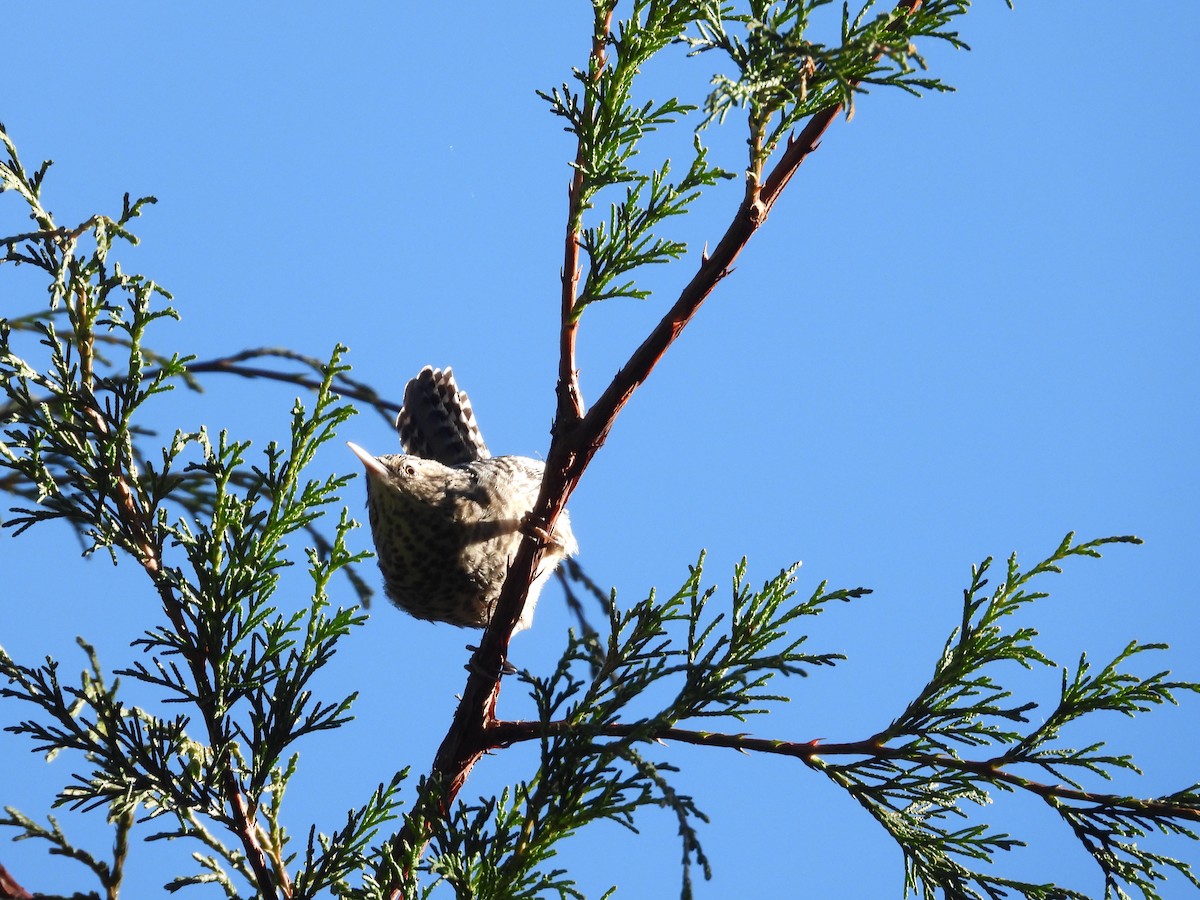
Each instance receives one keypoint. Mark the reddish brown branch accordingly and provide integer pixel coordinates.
(570, 400)
(576, 440)
(570, 403)
(10, 889)
(466, 740)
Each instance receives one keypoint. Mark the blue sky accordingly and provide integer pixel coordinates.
(968, 328)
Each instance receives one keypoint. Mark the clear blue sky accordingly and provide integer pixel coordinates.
(969, 327)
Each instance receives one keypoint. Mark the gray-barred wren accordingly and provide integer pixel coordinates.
(447, 516)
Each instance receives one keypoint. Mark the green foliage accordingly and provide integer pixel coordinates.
(329, 860)
(109, 875)
(609, 126)
(591, 728)
(913, 776)
(783, 76)
(211, 523)
(628, 241)
(240, 670)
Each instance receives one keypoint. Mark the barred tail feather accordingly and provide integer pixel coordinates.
(437, 421)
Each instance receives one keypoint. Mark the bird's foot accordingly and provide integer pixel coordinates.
(538, 529)
(476, 667)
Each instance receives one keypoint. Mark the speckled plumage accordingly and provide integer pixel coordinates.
(447, 516)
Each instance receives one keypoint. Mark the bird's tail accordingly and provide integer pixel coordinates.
(437, 421)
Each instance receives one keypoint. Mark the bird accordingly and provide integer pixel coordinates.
(447, 516)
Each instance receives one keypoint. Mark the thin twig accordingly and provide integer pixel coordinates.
(506, 733)
(571, 573)
(232, 365)
(570, 398)
(63, 234)
(346, 386)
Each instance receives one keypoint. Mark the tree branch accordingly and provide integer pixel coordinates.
(346, 387)
(575, 442)
(570, 400)
(10, 889)
(502, 734)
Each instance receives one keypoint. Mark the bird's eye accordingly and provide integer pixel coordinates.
(409, 470)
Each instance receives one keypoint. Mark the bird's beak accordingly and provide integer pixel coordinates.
(373, 466)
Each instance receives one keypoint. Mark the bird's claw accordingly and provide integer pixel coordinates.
(538, 529)
(475, 667)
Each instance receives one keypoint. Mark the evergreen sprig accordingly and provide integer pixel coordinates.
(914, 778)
(784, 76)
(330, 859)
(240, 670)
(1113, 835)
(609, 126)
(719, 665)
(109, 874)
(592, 720)
(628, 239)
